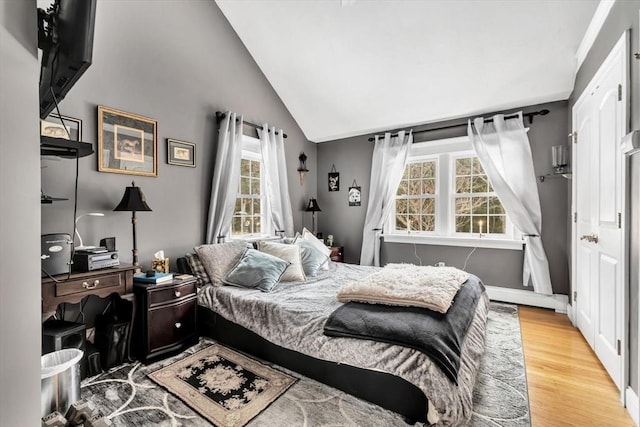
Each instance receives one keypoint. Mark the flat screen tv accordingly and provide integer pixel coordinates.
(65, 35)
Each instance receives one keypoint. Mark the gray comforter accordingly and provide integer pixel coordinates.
(293, 316)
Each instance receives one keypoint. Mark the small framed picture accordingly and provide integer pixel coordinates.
(334, 179)
(127, 143)
(354, 196)
(181, 153)
(61, 127)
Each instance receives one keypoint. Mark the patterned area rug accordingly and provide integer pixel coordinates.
(130, 398)
(222, 385)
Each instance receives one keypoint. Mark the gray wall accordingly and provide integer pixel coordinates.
(352, 158)
(19, 216)
(623, 16)
(634, 276)
(178, 65)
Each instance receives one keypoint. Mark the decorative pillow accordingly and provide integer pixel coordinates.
(256, 269)
(307, 235)
(198, 270)
(289, 253)
(312, 258)
(218, 259)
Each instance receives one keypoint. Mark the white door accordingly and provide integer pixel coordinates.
(599, 121)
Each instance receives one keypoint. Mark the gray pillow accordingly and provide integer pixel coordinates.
(256, 269)
(218, 259)
(312, 259)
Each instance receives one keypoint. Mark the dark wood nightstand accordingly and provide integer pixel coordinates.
(337, 253)
(165, 318)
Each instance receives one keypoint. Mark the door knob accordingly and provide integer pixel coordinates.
(593, 238)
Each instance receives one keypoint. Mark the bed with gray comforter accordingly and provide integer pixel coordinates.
(294, 314)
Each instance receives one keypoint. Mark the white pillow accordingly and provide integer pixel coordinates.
(308, 236)
(290, 253)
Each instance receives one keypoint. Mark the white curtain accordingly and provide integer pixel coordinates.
(226, 175)
(275, 173)
(389, 160)
(505, 154)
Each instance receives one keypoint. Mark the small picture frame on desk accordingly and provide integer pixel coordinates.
(63, 127)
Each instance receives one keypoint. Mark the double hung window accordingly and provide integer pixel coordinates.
(445, 198)
(250, 215)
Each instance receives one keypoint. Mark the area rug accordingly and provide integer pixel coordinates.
(222, 385)
(129, 398)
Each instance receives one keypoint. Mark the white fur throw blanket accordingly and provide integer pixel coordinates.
(407, 285)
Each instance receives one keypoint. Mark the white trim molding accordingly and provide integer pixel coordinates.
(469, 242)
(557, 302)
(599, 16)
(632, 405)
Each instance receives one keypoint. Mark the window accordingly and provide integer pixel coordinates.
(250, 217)
(445, 198)
(477, 207)
(416, 197)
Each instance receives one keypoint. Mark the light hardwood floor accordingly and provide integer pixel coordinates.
(567, 384)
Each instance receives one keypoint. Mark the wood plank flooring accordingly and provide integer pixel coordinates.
(567, 384)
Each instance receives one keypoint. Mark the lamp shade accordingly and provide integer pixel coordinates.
(312, 206)
(133, 200)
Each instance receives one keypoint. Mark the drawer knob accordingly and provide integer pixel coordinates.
(91, 286)
(177, 294)
(178, 325)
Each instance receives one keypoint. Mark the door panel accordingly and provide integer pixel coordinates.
(599, 118)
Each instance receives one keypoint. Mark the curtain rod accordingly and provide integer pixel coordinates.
(510, 116)
(220, 115)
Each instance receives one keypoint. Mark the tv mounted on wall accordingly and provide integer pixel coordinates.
(65, 35)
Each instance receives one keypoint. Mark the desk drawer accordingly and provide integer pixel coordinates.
(167, 294)
(92, 285)
(171, 324)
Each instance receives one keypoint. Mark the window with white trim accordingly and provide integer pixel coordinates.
(445, 198)
(250, 215)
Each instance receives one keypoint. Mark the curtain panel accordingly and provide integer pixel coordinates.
(277, 185)
(505, 154)
(226, 176)
(389, 160)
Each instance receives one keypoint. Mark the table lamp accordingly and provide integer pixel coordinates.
(133, 201)
(82, 246)
(313, 208)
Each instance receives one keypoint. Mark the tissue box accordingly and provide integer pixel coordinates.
(160, 265)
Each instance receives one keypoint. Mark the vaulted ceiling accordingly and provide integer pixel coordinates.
(352, 67)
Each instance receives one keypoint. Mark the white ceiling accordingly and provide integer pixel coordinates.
(353, 67)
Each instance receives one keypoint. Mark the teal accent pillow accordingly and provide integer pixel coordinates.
(257, 270)
(312, 259)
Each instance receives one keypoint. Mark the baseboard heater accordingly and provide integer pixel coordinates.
(556, 302)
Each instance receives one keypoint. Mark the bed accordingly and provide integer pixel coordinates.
(285, 327)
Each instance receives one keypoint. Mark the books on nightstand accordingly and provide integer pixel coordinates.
(157, 278)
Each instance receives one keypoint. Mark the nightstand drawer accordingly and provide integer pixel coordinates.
(171, 324)
(91, 285)
(167, 294)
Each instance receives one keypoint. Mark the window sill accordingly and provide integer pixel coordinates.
(470, 242)
(255, 237)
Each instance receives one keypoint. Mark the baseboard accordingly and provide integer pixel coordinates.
(633, 408)
(557, 302)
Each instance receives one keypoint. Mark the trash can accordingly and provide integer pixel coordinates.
(59, 380)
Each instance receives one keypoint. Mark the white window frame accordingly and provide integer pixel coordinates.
(446, 151)
(251, 151)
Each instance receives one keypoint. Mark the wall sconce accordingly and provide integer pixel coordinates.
(302, 169)
(559, 158)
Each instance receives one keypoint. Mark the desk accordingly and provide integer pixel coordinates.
(101, 283)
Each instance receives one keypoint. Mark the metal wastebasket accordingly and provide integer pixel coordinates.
(59, 380)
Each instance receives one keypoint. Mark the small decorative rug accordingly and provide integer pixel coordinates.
(129, 398)
(222, 385)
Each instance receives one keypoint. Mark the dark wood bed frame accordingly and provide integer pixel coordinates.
(386, 390)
